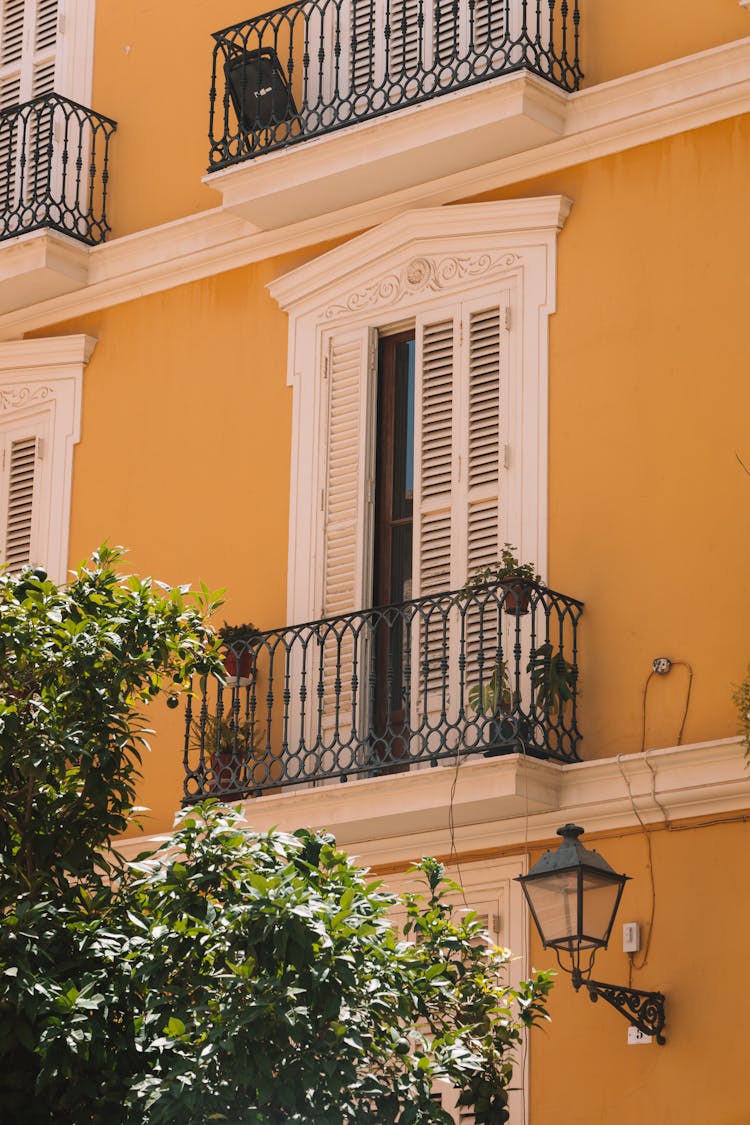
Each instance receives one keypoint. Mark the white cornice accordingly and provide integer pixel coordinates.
(686, 94)
(51, 351)
(510, 802)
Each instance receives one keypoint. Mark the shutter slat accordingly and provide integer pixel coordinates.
(46, 24)
(11, 32)
(484, 398)
(21, 489)
(437, 409)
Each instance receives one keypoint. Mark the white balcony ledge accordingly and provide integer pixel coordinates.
(40, 266)
(453, 133)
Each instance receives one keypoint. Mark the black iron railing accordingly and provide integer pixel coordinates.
(314, 66)
(491, 672)
(54, 170)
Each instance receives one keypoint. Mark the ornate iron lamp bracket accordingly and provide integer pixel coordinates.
(644, 1010)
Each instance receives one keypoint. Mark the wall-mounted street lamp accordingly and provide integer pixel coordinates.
(573, 895)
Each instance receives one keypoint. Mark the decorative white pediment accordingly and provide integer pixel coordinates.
(425, 251)
(421, 275)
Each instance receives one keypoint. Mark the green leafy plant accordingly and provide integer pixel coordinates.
(227, 735)
(553, 678)
(506, 568)
(229, 975)
(233, 635)
(493, 694)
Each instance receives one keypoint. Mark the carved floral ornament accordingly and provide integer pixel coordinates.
(421, 274)
(15, 398)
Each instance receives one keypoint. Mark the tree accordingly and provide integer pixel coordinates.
(229, 976)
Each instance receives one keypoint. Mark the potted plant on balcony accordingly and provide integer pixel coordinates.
(552, 679)
(238, 656)
(505, 732)
(229, 743)
(516, 579)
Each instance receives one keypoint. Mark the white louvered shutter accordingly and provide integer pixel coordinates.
(22, 450)
(347, 571)
(28, 61)
(437, 341)
(485, 350)
(461, 365)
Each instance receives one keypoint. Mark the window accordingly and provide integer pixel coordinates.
(46, 46)
(40, 407)
(475, 286)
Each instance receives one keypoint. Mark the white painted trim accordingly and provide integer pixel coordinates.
(640, 108)
(75, 64)
(43, 379)
(508, 802)
(417, 263)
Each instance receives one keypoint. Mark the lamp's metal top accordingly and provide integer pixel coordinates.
(571, 855)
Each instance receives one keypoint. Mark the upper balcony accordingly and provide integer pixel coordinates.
(433, 87)
(54, 171)
(490, 672)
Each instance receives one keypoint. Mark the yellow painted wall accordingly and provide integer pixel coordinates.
(186, 438)
(582, 1070)
(152, 74)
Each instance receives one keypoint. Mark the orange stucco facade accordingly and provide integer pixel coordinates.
(185, 453)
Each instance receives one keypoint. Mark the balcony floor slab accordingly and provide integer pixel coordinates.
(40, 266)
(453, 133)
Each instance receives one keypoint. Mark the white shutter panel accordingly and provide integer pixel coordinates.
(20, 483)
(348, 525)
(488, 30)
(486, 365)
(433, 499)
(446, 38)
(363, 16)
(404, 42)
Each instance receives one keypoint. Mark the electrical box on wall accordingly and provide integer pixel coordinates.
(631, 937)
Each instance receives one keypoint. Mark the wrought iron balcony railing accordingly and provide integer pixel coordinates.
(314, 66)
(54, 170)
(489, 672)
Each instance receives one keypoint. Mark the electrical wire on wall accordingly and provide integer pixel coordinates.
(661, 667)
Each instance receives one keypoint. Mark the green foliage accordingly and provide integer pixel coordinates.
(229, 976)
(741, 699)
(229, 734)
(238, 634)
(507, 567)
(553, 678)
(493, 694)
(76, 663)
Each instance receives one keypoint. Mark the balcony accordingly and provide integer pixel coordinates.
(438, 86)
(387, 690)
(54, 170)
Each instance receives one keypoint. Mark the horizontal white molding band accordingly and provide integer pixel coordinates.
(508, 802)
(639, 108)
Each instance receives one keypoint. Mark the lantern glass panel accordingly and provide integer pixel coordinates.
(554, 901)
(600, 897)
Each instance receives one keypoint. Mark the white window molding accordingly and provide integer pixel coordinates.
(413, 267)
(41, 383)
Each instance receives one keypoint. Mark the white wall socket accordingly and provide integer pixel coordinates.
(631, 937)
(635, 1035)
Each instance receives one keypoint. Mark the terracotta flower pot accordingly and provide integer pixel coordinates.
(517, 596)
(238, 664)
